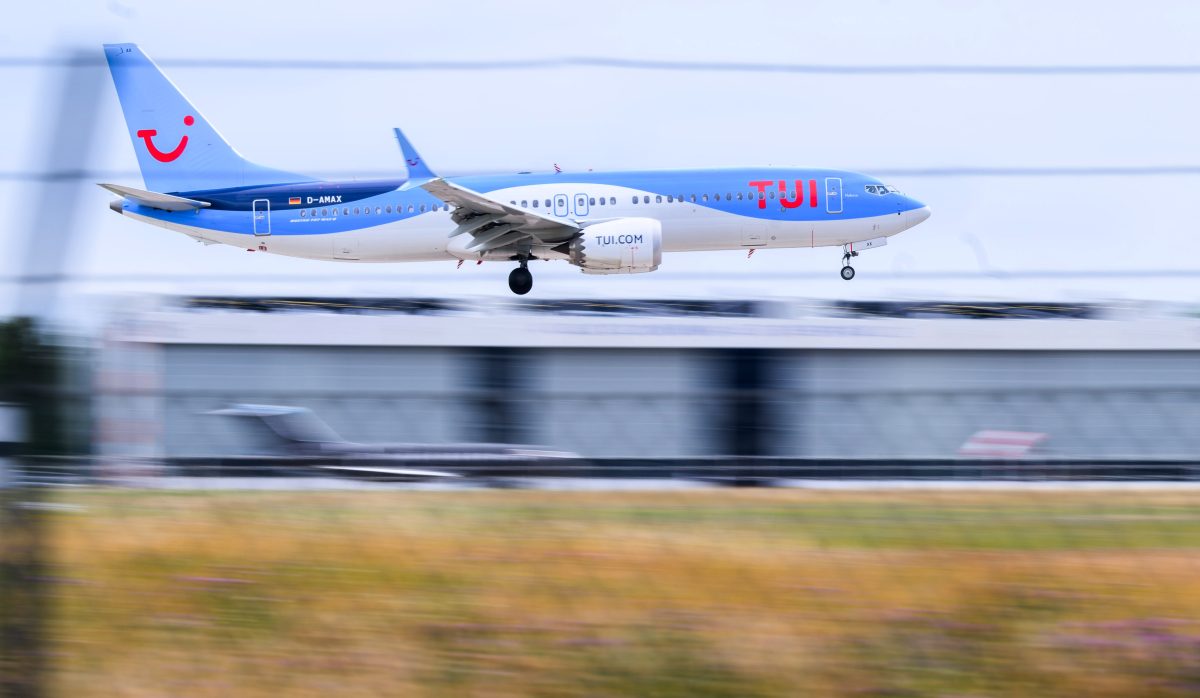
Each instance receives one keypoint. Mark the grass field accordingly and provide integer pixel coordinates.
(702, 593)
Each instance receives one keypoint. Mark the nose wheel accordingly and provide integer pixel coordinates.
(520, 280)
(847, 270)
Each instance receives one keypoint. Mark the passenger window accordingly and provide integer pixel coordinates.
(389, 208)
(324, 212)
(612, 201)
(535, 203)
(356, 210)
(728, 196)
(635, 199)
(410, 208)
(591, 201)
(739, 196)
(658, 199)
(547, 203)
(313, 213)
(693, 198)
(646, 199)
(346, 211)
(422, 208)
(377, 209)
(602, 201)
(366, 210)
(303, 212)
(524, 203)
(704, 197)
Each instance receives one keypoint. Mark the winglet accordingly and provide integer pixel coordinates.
(418, 172)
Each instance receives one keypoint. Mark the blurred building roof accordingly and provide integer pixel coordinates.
(766, 324)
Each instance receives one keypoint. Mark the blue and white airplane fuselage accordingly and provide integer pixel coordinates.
(603, 222)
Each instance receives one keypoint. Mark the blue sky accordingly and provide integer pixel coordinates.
(324, 121)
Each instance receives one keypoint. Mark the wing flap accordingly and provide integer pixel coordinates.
(507, 238)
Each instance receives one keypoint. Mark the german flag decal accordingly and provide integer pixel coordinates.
(293, 201)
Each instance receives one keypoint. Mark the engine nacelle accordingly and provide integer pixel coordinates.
(624, 246)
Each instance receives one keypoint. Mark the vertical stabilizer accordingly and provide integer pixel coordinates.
(177, 149)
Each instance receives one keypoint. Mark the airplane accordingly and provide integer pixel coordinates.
(288, 431)
(601, 222)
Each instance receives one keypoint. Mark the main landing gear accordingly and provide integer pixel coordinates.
(847, 270)
(520, 280)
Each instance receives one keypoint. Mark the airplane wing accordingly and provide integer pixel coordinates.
(163, 202)
(413, 473)
(491, 223)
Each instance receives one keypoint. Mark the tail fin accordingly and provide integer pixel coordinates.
(177, 149)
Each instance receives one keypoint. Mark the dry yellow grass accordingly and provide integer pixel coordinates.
(670, 594)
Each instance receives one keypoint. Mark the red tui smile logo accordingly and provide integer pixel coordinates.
(148, 134)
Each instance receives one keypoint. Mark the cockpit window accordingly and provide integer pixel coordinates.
(877, 189)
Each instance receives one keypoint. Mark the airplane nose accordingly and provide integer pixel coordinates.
(917, 215)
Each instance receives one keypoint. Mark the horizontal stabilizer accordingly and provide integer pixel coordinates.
(163, 202)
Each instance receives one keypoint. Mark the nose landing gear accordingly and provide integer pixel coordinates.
(520, 280)
(847, 270)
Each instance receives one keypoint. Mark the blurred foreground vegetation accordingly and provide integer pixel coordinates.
(701, 593)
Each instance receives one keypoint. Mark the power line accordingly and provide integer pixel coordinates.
(932, 172)
(623, 64)
(704, 276)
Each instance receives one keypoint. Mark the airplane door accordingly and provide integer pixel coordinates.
(560, 204)
(581, 205)
(833, 194)
(261, 215)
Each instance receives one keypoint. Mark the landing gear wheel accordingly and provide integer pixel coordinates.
(847, 272)
(520, 280)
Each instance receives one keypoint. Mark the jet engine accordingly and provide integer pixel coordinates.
(623, 246)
